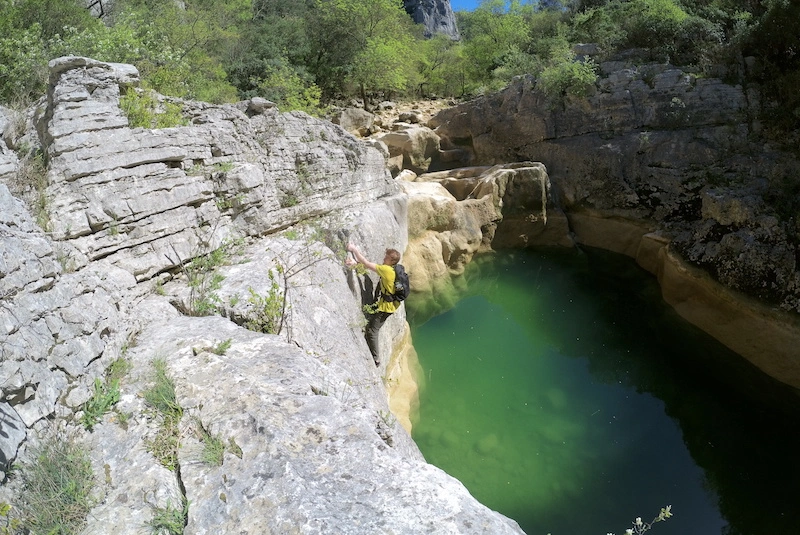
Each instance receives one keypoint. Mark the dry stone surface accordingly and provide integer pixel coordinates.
(310, 445)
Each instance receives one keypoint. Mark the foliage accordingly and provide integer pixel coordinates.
(161, 394)
(640, 527)
(144, 111)
(204, 280)
(162, 397)
(564, 75)
(213, 446)
(57, 484)
(31, 185)
(23, 65)
(106, 395)
(285, 86)
(442, 67)
(222, 347)
(267, 311)
(169, 520)
(345, 34)
(490, 34)
(304, 54)
(9, 525)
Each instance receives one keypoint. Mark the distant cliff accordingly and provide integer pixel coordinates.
(436, 15)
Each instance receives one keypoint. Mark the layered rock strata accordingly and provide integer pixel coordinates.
(265, 201)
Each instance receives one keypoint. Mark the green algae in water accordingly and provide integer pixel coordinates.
(551, 390)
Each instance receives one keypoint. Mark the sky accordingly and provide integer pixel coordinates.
(463, 5)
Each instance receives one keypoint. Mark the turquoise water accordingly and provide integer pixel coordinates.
(565, 394)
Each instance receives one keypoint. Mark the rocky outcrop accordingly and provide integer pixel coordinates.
(241, 207)
(146, 200)
(410, 147)
(454, 215)
(664, 166)
(435, 15)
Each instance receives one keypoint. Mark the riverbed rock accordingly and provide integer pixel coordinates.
(414, 147)
(455, 214)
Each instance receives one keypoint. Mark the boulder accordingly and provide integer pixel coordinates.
(414, 146)
(354, 120)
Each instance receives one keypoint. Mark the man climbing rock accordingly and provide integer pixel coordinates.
(385, 305)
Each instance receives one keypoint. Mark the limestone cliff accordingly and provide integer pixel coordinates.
(667, 167)
(129, 236)
(435, 15)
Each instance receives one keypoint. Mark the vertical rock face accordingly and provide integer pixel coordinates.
(436, 15)
(307, 443)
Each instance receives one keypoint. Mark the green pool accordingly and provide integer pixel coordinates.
(565, 394)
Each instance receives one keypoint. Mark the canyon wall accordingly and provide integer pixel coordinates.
(208, 254)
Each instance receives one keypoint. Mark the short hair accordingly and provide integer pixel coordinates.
(393, 255)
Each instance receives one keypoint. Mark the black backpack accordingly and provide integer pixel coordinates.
(401, 285)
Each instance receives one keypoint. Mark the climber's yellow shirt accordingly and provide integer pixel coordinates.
(387, 275)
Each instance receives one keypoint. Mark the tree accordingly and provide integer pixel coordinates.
(345, 31)
(492, 32)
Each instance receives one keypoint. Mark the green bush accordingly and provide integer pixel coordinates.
(286, 87)
(23, 66)
(144, 111)
(566, 76)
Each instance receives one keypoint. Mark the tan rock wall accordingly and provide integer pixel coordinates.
(764, 336)
(768, 338)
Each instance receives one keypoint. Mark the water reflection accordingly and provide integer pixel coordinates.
(591, 330)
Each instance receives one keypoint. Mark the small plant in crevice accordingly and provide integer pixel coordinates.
(31, 185)
(106, 393)
(224, 167)
(222, 347)
(386, 421)
(226, 202)
(9, 524)
(213, 446)
(169, 520)
(234, 448)
(161, 396)
(288, 200)
(266, 312)
(204, 280)
(57, 484)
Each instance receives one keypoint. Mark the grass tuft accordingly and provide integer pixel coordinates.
(169, 520)
(57, 483)
(161, 396)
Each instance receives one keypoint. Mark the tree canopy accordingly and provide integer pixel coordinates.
(302, 53)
